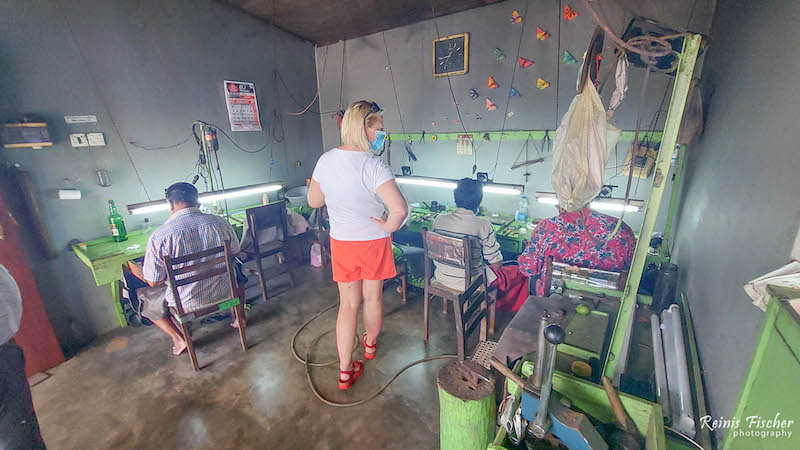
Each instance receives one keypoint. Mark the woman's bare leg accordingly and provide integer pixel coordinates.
(346, 323)
(373, 310)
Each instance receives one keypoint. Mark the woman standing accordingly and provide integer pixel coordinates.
(355, 184)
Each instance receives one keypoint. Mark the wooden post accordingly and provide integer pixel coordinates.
(467, 410)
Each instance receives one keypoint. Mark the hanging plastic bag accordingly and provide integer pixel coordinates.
(581, 149)
(316, 255)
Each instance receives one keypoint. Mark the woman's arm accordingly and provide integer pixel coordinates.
(397, 204)
(316, 199)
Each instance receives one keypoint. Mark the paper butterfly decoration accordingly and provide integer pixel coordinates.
(515, 17)
(569, 13)
(568, 58)
(490, 106)
(499, 55)
(491, 84)
(473, 94)
(524, 63)
(541, 34)
(513, 93)
(541, 84)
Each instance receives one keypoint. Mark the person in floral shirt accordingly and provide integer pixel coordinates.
(583, 239)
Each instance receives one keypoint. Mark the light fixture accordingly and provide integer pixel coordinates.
(488, 188)
(600, 204)
(208, 197)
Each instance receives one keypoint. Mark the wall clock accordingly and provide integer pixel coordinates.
(451, 55)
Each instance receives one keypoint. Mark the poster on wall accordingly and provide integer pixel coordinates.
(240, 97)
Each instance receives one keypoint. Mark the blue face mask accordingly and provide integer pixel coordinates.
(377, 144)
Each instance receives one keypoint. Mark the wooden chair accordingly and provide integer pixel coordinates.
(321, 235)
(197, 267)
(262, 218)
(402, 275)
(470, 304)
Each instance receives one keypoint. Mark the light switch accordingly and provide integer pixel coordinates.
(96, 139)
(78, 140)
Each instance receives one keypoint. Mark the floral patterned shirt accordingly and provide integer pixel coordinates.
(579, 239)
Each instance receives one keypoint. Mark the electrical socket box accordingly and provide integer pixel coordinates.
(96, 139)
(78, 140)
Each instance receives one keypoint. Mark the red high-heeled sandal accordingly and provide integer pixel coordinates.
(354, 374)
(367, 346)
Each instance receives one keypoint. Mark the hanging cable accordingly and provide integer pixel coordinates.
(508, 99)
(341, 80)
(316, 96)
(397, 101)
(452, 94)
(166, 147)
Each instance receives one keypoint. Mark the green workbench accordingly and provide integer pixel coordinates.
(771, 386)
(511, 235)
(105, 258)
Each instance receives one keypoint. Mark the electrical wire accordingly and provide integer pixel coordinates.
(341, 80)
(453, 95)
(234, 142)
(396, 99)
(167, 147)
(308, 364)
(508, 99)
(316, 96)
(687, 438)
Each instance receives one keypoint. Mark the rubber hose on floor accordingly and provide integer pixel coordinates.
(309, 365)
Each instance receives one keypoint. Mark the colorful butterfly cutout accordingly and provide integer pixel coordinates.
(569, 13)
(568, 58)
(524, 63)
(473, 94)
(499, 55)
(513, 93)
(515, 17)
(541, 84)
(490, 106)
(541, 34)
(491, 84)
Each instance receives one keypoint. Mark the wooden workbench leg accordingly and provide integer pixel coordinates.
(116, 298)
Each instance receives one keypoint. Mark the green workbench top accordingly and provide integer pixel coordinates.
(106, 257)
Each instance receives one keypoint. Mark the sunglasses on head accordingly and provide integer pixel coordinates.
(374, 108)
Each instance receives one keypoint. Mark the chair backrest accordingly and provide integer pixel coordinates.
(447, 248)
(199, 266)
(452, 249)
(264, 217)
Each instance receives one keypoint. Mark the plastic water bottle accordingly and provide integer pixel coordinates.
(522, 212)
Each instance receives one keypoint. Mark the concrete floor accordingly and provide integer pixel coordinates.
(128, 391)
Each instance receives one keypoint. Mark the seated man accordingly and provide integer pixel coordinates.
(463, 221)
(186, 231)
(583, 238)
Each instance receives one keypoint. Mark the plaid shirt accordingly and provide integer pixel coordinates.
(190, 231)
(582, 239)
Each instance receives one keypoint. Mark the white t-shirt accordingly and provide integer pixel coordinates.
(349, 181)
(10, 306)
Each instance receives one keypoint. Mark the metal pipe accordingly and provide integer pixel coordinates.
(538, 368)
(554, 335)
(661, 370)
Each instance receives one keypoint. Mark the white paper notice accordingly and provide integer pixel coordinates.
(240, 96)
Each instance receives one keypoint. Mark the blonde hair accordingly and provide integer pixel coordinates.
(353, 132)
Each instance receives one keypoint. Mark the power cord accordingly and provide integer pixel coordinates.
(309, 364)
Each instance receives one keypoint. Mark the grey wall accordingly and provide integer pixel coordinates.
(424, 99)
(741, 209)
(147, 69)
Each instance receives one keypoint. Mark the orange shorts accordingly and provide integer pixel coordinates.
(362, 260)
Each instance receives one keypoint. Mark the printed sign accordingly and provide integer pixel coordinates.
(240, 97)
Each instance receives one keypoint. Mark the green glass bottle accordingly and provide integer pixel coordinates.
(118, 231)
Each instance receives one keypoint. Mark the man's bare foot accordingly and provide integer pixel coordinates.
(178, 347)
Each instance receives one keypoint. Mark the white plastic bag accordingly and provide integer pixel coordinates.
(316, 255)
(581, 149)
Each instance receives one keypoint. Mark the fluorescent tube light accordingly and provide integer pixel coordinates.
(207, 197)
(489, 188)
(600, 204)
